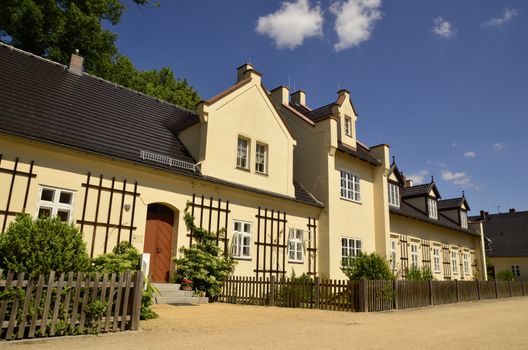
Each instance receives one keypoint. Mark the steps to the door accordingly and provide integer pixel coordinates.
(170, 293)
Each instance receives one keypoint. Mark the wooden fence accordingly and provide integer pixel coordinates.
(63, 304)
(362, 295)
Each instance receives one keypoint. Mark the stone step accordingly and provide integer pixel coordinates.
(182, 300)
(166, 286)
(176, 293)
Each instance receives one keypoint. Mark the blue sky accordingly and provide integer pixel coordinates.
(444, 83)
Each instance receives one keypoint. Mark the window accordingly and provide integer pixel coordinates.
(516, 271)
(295, 246)
(261, 158)
(454, 263)
(392, 253)
(436, 259)
(414, 255)
(394, 195)
(466, 263)
(433, 211)
(463, 219)
(348, 126)
(242, 240)
(350, 248)
(55, 202)
(242, 153)
(350, 186)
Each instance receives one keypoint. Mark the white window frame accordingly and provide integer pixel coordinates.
(237, 247)
(55, 205)
(350, 250)
(393, 253)
(454, 261)
(348, 126)
(350, 186)
(263, 157)
(394, 194)
(463, 219)
(240, 149)
(296, 245)
(436, 259)
(515, 269)
(414, 255)
(432, 208)
(465, 260)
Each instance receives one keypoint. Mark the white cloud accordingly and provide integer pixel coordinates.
(458, 178)
(497, 22)
(498, 147)
(470, 154)
(355, 21)
(440, 164)
(419, 177)
(443, 28)
(454, 144)
(290, 25)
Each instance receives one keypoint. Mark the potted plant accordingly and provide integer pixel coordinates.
(186, 284)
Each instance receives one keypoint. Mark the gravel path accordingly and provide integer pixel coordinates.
(493, 324)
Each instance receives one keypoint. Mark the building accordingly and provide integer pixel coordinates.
(291, 186)
(506, 235)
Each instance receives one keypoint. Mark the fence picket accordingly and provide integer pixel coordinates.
(14, 307)
(38, 295)
(47, 300)
(57, 304)
(27, 300)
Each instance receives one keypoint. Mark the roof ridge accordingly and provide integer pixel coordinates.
(12, 48)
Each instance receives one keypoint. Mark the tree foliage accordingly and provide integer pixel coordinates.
(204, 262)
(123, 257)
(505, 275)
(56, 28)
(42, 245)
(366, 266)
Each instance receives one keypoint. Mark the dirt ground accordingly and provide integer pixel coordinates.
(494, 324)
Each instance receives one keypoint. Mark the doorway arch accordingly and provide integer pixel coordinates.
(159, 232)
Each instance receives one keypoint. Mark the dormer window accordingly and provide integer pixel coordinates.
(394, 195)
(242, 153)
(432, 208)
(348, 126)
(463, 219)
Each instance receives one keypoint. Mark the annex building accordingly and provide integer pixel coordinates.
(292, 187)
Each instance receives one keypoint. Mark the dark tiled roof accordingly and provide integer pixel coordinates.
(314, 114)
(361, 153)
(419, 190)
(303, 195)
(42, 100)
(508, 233)
(299, 108)
(411, 212)
(453, 203)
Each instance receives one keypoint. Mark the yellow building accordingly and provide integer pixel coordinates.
(292, 187)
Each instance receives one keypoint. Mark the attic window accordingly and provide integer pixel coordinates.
(242, 153)
(348, 126)
(432, 208)
(463, 219)
(394, 195)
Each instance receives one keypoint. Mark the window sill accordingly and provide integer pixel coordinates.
(246, 258)
(261, 174)
(243, 169)
(295, 262)
(351, 200)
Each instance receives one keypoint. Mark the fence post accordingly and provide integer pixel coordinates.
(363, 295)
(431, 292)
(478, 290)
(522, 288)
(457, 291)
(317, 292)
(272, 290)
(395, 291)
(510, 288)
(496, 290)
(136, 306)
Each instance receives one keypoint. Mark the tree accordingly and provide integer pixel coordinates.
(56, 28)
(42, 245)
(365, 266)
(123, 257)
(505, 275)
(204, 262)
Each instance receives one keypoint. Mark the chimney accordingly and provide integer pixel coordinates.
(409, 183)
(76, 63)
(299, 97)
(482, 215)
(280, 95)
(243, 71)
(512, 210)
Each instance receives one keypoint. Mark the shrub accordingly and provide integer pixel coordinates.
(123, 257)
(42, 245)
(416, 273)
(300, 290)
(365, 266)
(505, 275)
(204, 262)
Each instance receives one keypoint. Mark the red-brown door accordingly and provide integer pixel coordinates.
(158, 241)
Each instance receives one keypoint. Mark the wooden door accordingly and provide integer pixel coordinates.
(158, 241)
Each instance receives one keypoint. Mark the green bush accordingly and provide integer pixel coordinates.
(505, 275)
(123, 257)
(366, 266)
(416, 273)
(204, 262)
(36, 246)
